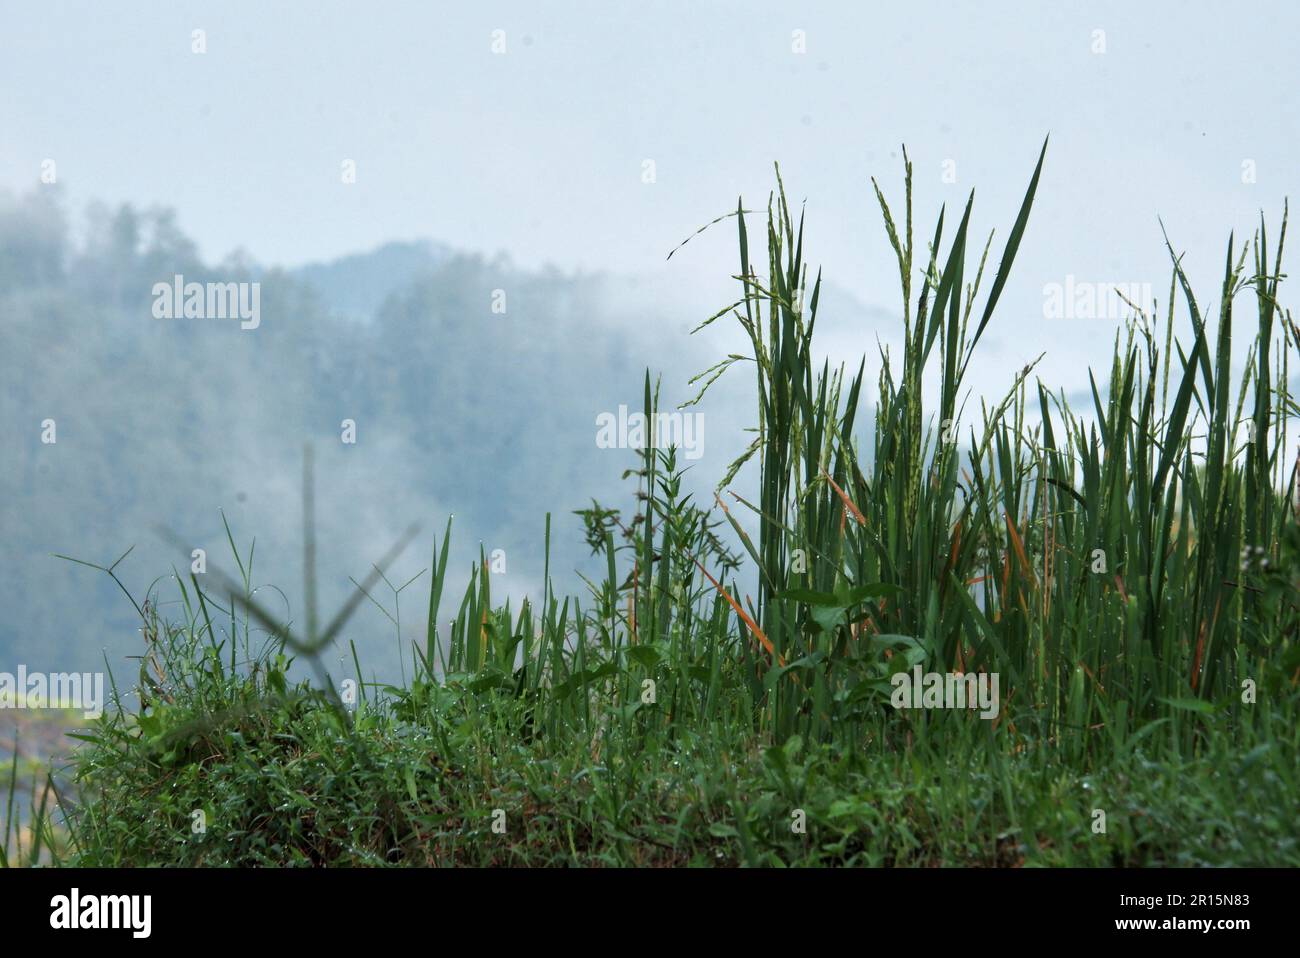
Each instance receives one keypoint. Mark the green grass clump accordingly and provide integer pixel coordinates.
(722, 694)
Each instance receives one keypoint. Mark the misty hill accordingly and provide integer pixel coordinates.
(171, 422)
(357, 285)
